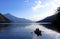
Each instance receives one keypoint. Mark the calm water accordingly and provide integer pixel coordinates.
(26, 31)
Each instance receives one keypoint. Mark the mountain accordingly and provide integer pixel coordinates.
(56, 22)
(48, 19)
(3, 19)
(16, 19)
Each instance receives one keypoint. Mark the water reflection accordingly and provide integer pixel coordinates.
(50, 26)
(46, 33)
(26, 31)
(3, 26)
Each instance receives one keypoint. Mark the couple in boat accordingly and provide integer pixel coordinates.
(37, 32)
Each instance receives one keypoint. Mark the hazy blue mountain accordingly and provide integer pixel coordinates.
(48, 19)
(16, 19)
(3, 19)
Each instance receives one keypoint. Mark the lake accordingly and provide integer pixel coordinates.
(26, 31)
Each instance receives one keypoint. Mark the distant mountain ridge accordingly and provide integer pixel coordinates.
(48, 19)
(3, 19)
(16, 19)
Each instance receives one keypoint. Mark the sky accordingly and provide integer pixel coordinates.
(30, 9)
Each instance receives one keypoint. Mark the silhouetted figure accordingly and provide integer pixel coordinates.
(37, 32)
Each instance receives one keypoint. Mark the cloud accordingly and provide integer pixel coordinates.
(41, 16)
(52, 4)
(49, 8)
(37, 6)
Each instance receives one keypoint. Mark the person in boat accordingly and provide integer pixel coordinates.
(37, 32)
